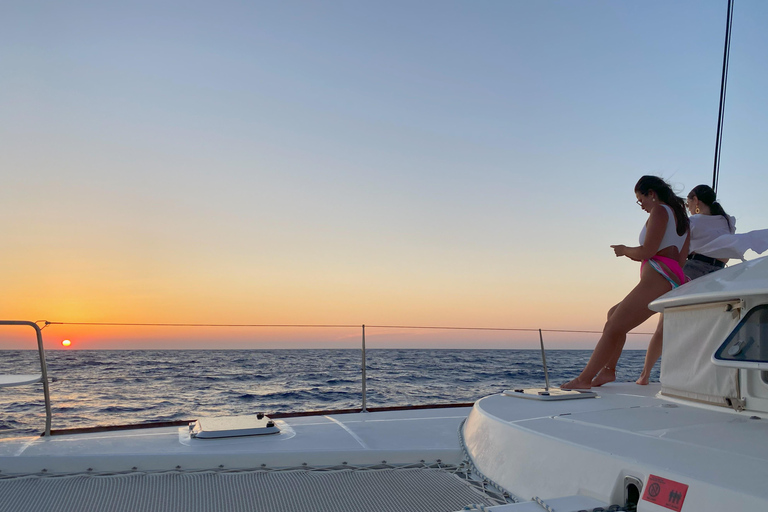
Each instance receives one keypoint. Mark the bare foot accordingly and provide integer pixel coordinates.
(643, 380)
(577, 383)
(604, 376)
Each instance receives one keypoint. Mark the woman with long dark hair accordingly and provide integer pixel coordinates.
(663, 248)
(709, 222)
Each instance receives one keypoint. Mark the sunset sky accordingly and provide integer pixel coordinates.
(428, 163)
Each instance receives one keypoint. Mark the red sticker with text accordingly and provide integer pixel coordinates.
(666, 493)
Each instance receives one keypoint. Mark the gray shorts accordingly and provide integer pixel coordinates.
(695, 269)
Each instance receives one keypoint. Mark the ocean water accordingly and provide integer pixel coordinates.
(117, 387)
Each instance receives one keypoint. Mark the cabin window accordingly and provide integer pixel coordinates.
(747, 345)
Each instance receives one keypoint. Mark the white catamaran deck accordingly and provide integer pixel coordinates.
(587, 447)
(396, 460)
(397, 437)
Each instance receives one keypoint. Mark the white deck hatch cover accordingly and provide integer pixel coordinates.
(232, 426)
(549, 394)
(19, 380)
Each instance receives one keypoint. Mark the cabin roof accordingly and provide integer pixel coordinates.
(735, 282)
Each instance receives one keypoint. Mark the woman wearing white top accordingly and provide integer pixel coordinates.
(708, 223)
(713, 242)
(663, 246)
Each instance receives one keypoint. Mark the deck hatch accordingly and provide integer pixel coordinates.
(549, 394)
(232, 426)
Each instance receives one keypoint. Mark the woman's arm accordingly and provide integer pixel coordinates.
(654, 233)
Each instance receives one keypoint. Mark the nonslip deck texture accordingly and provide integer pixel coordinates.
(274, 491)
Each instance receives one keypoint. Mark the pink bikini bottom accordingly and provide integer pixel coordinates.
(673, 267)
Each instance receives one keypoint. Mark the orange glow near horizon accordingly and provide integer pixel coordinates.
(126, 337)
(103, 313)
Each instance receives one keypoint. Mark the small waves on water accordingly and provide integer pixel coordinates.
(105, 387)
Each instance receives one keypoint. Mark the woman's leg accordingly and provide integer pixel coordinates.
(631, 312)
(653, 353)
(608, 372)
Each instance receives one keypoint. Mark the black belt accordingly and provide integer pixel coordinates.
(706, 259)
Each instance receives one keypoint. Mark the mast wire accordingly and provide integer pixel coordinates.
(337, 326)
(723, 86)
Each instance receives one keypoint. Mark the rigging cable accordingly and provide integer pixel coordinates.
(723, 85)
(46, 323)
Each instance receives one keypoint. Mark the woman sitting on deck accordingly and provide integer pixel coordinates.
(663, 249)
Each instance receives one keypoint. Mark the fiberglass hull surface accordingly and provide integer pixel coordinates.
(587, 447)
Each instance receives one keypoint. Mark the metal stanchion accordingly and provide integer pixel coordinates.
(544, 362)
(364, 377)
